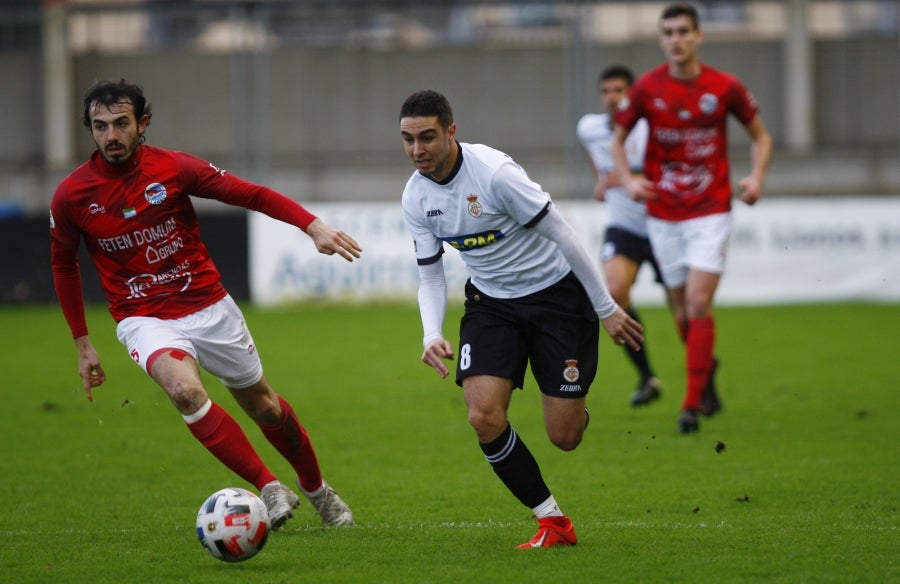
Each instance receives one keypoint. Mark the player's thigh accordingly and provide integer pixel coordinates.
(491, 339)
(706, 242)
(146, 338)
(669, 250)
(177, 373)
(224, 344)
(564, 341)
(564, 420)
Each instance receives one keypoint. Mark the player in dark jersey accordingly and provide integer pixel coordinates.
(687, 187)
(130, 205)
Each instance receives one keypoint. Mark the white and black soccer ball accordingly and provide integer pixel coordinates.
(233, 524)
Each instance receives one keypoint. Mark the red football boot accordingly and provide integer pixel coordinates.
(552, 531)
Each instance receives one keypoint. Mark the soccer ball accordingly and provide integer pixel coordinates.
(233, 524)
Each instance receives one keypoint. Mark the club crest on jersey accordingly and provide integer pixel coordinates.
(708, 103)
(571, 373)
(155, 193)
(475, 208)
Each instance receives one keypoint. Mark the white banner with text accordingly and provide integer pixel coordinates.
(781, 251)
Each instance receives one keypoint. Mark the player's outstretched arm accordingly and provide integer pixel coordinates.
(92, 374)
(435, 353)
(331, 240)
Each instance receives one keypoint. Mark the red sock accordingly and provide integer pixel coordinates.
(700, 341)
(292, 441)
(222, 436)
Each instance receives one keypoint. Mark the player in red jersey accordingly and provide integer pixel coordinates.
(686, 185)
(130, 205)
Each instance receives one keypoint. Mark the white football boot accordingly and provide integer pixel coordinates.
(330, 507)
(280, 502)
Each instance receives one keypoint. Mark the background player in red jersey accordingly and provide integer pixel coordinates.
(130, 205)
(686, 185)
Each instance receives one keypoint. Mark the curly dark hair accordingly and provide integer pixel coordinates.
(110, 93)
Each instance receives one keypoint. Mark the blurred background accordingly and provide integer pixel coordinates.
(304, 95)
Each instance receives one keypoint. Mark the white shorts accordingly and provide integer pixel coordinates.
(216, 337)
(695, 244)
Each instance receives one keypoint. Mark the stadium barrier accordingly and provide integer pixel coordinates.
(781, 251)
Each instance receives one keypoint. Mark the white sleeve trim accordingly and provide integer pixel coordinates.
(432, 300)
(555, 228)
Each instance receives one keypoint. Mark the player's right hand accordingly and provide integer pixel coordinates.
(89, 368)
(435, 353)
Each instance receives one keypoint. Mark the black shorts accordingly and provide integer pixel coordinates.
(555, 330)
(621, 242)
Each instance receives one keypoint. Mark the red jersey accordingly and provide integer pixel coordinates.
(140, 228)
(687, 151)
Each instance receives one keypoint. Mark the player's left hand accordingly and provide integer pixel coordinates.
(623, 329)
(89, 368)
(331, 240)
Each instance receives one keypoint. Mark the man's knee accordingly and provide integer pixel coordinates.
(567, 440)
(488, 424)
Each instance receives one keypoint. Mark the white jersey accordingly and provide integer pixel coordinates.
(596, 136)
(484, 210)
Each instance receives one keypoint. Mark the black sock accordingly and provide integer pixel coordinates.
(639, 358)
(517, 468)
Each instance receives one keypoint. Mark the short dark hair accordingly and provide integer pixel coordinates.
(110, 93)
(616, 72)
(428, 103)
(682, 9)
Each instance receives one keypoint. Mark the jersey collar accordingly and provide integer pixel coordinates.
(456, 167)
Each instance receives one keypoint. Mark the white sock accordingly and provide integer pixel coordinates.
(204, 409)
(317, 492)
(548, 508)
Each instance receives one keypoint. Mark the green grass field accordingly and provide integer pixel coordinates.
(805, 491)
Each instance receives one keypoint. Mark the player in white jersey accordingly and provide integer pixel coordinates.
(626, 245)
(533, 297)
